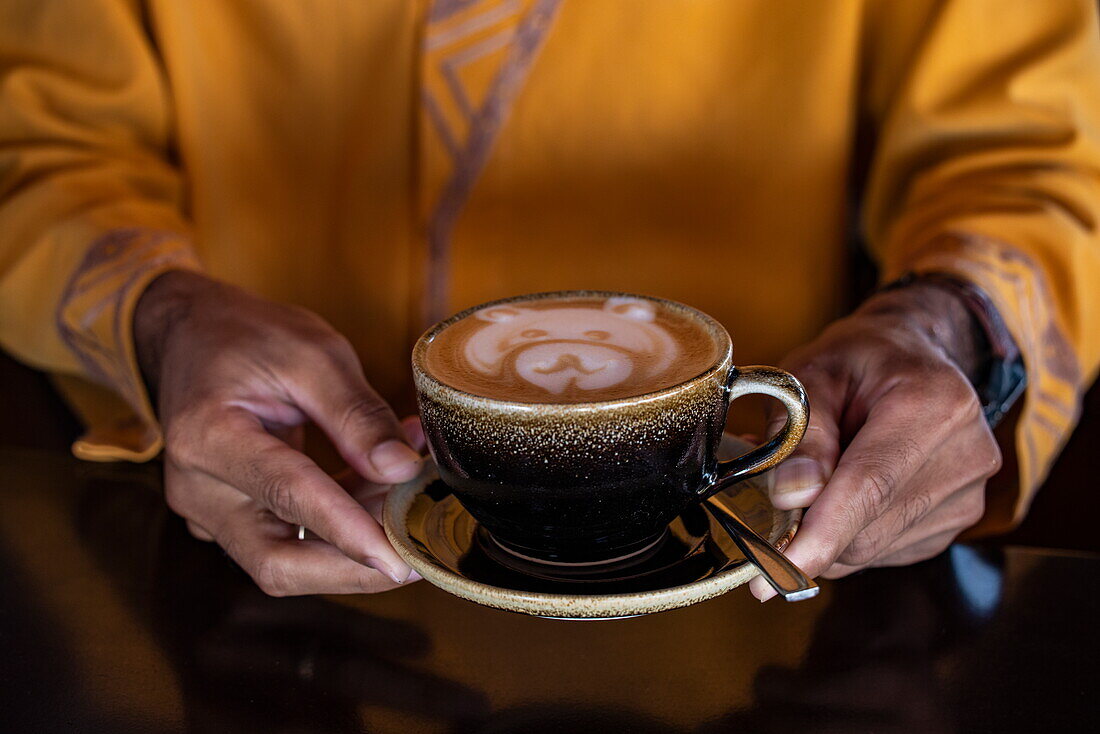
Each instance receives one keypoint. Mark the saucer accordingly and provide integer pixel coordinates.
(693, 561)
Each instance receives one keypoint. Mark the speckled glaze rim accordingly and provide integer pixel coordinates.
(564, 606)
(424, 379)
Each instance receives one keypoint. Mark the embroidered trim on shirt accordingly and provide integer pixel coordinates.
(94, 315)
(461, 34)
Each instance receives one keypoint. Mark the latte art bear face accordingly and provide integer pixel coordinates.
(581, 347)
(571, 349)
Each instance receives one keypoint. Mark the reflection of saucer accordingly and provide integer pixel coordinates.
(693, 561)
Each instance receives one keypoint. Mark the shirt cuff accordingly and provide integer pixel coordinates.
(95, 320)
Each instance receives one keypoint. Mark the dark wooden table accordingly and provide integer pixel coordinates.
(113, 619)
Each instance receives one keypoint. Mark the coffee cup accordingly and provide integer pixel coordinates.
(575, 426)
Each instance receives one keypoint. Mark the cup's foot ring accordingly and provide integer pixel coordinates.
(516, 560)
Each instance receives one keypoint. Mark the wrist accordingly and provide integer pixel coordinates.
(162, 307)
(940, 312)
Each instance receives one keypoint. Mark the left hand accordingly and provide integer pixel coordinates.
(897, 453)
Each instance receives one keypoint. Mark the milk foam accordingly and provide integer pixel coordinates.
(584, 347)
(570, 350)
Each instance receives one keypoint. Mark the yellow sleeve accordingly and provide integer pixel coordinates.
(90, 206)
(986, 165)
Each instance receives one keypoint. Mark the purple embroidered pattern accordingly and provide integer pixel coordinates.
(515, 31)
(92, 316)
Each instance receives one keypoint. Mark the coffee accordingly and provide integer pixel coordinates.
(506, 393)
(572, 349)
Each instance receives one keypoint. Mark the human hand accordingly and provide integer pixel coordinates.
(236, 378)
(895, 459)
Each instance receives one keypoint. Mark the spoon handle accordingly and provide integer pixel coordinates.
(785, 577)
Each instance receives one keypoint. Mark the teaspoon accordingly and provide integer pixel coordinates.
(785, 577)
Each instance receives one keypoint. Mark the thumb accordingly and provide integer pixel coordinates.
(798, 481)
(414, 432)
(359, 423)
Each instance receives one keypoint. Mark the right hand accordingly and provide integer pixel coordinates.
(236, 378)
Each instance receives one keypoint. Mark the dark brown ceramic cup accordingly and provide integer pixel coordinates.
(579, 483)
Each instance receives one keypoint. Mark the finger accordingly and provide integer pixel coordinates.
(283, 566)
(761, 589)
(264, 546)
(292, 436)
(960, 510)
(947, 493)
(293, 568)
(370, 495)
(886, 453)
(241, 454)
(198, 498)
(925, 539)
(907, 515)
(839, 571)
(358, 422)
(800, 478)
(927, 548)
(199, 531)
(414, 432)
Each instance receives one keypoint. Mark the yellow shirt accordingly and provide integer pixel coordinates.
(384, 162)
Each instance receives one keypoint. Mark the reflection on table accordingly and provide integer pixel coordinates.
(115, 619)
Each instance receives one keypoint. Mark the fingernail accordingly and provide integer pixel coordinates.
(399, 573)
(394, 459)
(797, 474)
(761, 589)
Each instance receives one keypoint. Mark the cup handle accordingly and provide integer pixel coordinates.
(780, 385)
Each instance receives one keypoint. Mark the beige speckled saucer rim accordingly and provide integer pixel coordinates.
(564, 606)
